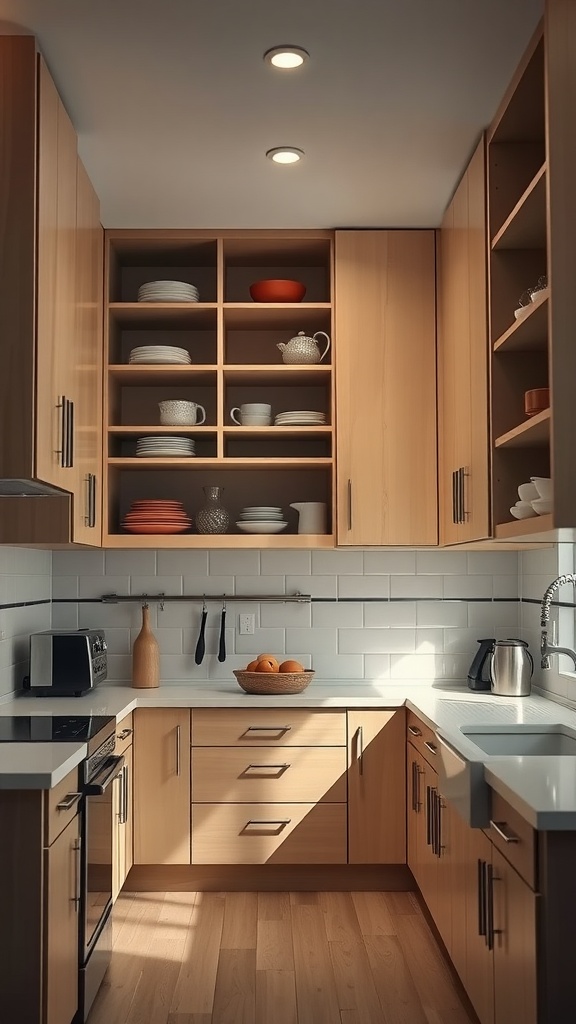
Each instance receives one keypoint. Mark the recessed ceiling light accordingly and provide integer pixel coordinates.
(285, 155)
(286, 57)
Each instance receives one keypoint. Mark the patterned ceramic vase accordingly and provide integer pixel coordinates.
(212, 517)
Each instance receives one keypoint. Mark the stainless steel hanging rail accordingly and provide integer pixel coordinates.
(296, 598)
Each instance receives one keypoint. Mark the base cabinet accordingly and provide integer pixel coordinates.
(376, 787)
(122, 809)
(514, 923)
(161, 786)
(62, 909)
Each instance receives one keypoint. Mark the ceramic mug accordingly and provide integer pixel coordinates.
(253, 414)
(176, 412)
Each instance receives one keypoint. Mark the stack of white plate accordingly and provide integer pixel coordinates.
(168, 291)
(300, 418)
(261, 519)
(160, 354)
(165, 447)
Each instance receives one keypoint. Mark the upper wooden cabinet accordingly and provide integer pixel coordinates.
(51, 297)
(386, 387)
(463, 475)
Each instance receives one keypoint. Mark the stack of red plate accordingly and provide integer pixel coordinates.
(156, 516)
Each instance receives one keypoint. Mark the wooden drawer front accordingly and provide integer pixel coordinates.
(268, 833)
(277, 727)
(419, 735)
(253, 774)
(124, 734)
(61, 806)
(520, 850)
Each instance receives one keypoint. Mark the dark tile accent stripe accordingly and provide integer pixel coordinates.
(555, 604)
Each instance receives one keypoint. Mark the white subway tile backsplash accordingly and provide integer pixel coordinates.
(467, 586)
(120, 667)
(182, 668)
(338, 666)
(182, 563)
(156, 585)
(377, 666)
(505, 586)
(213, 585)
(442, 613)
(440, 562)
(363, 586)
(312, 641)
(390, 562)
(256, 585)
(66, 586)
(119, 640)
(65, 616)
(234, 563)
(134, 563)
(92, 615)
(296, 615)
(335, 613)
(487, 615)
(375, 641)
(388, 613)
(317, 586)
(96, 586)
(493, 563)
(283, 563)
(263, 641)
(78, 563)
(416, 586)
(338, 563)
(461, 641)
(430, 641)
(426, 667)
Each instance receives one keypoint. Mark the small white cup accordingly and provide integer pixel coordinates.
(177, 412)
(251, 412)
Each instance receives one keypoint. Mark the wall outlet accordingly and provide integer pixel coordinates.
(245, 624)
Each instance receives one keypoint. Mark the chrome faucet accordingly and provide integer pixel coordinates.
(547, 649)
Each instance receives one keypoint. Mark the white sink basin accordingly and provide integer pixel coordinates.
(522, 740)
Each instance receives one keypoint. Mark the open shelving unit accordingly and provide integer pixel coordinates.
(232, 342)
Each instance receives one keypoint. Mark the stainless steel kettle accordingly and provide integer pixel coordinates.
(511, 668)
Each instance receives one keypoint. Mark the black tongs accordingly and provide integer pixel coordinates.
(201, 644)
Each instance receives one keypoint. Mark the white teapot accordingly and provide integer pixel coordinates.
(302, 349)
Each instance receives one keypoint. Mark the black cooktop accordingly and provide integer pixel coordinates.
(51, 728)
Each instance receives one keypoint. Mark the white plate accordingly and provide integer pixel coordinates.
(542, 506)
(138, 349)
(259, 510)
(161, 454)
(159, 361)
(262, 527)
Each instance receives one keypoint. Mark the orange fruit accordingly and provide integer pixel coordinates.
(291, 666)
(269, 657)
(267, 665)
(251, 667)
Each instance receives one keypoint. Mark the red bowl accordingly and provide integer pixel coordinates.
(277, 291)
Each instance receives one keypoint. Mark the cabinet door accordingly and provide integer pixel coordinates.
(87, 364)
(122, 834)
(478, 979)
(463, 361)
(386, 387)
(61, 909)
(161, 786)
(376, 787)
(56, 306)
(514, 945)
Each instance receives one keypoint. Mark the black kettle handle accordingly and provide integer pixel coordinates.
(486, 648)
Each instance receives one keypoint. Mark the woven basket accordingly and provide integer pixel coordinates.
(273, 682)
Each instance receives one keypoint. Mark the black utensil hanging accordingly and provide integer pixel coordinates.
(201, 644)
(222, 643)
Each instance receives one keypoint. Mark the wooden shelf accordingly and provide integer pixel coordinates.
(223, 463)
(276, 433)
(525, 227)
(145, 314)
(149, 374)
(535, 432)
(259, 373)
(131, 432)
(266, 315)
(225, 540)
(539, 528)
(530, 332)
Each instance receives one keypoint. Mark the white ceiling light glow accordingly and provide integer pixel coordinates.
(285, 155)
(286, 57)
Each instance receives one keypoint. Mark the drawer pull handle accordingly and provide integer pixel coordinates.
(268, 728)
(501, 829)
(68, 802)
(431, 747)
(414, 731)
(125, 734)
(274, 825)
(270, 769)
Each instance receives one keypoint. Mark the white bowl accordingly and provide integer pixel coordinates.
(542, 506)
(261, 527)
(543, 485)
(522, 513)
(527, 492)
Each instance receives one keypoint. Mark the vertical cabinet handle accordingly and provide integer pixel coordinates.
(360, 749)
(178, 750)
(70, 425)
(75, 899)
(454, 512)
(124, 795)
(489, 891)
(481, 899)
(62, 440)
(349, 504)
(90, 517)
(428, 816)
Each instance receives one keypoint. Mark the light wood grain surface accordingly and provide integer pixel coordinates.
(276, 958)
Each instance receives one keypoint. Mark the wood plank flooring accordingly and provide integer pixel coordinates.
(275, 958)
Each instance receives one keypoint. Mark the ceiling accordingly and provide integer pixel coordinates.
(175, 107)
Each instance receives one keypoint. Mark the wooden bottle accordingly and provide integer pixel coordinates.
(145, 655)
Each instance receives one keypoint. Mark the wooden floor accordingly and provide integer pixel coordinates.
(275, 958)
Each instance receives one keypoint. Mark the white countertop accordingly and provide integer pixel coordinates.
(543, 789)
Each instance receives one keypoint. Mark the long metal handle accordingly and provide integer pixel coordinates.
(268, 728)
(120, 780)
(90, 517)
(349, 505)
(481, 899)
(439, 808)
(431, 747)
(75, 899)
(414, 803)
(419, 772)
(124, 734)
(61, 451)
(428, 816)
(414, 731)
(178, 766)
(360, 734)
(68, 801)
(70, 435)
(123, 815)
(93, 501)
(490, 906)
(501, 828)
(454, 513)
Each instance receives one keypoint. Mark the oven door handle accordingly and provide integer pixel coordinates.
(102, 780)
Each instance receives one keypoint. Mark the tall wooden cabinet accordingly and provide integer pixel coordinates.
(386, 387)
(376, 787)
(463, 442)
(62, 908)
(161, 786)
(50, 297)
